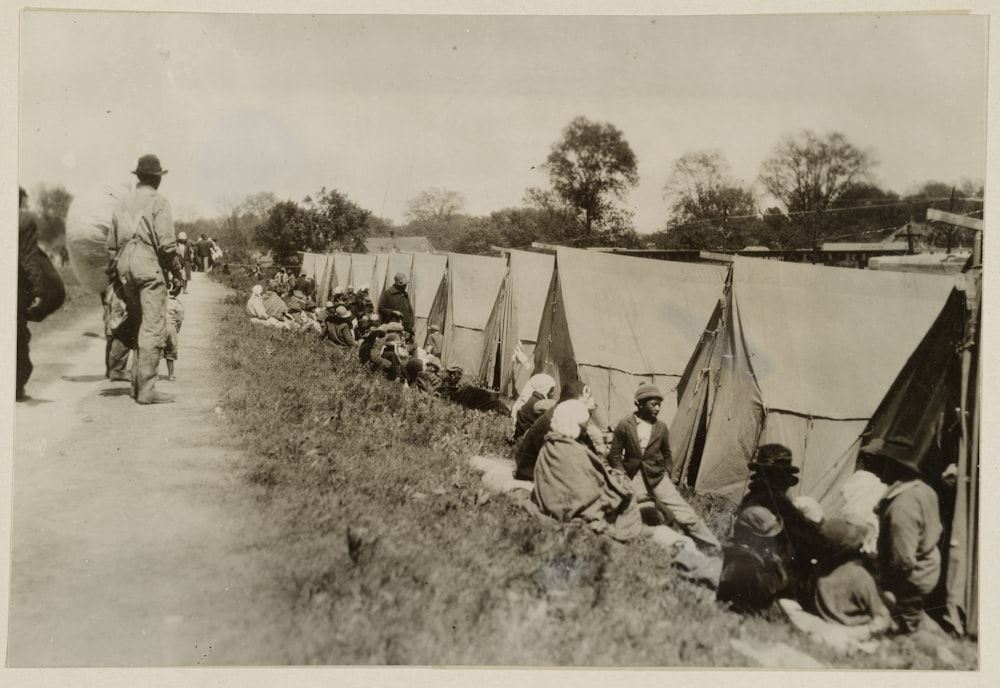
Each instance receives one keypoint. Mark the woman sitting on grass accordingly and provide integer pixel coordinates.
(258, 313)
(573, 483)
(526, 410)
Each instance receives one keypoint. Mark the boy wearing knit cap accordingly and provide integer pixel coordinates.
(640, 446)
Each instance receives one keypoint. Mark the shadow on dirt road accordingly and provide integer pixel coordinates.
(132, 537)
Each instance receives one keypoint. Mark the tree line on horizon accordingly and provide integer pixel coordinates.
(820, 188)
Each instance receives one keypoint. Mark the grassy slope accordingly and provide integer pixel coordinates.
(391, 553)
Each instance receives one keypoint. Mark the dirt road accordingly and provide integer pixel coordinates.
(132, 538)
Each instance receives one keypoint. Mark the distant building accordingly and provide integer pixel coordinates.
(401, 244)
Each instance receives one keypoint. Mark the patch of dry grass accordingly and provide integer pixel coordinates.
(390, 554)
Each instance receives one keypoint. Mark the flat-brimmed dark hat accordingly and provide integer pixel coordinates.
(898, 448)
(149, 166)
(774, 458)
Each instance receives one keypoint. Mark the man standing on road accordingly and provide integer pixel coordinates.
(141, 248)
(395, 298)
(29, 287)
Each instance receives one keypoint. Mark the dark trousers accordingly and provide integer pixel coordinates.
(24, 366)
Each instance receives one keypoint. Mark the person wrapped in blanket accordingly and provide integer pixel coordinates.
(259, 314)
(843, 591)
(574, 483)
(526, 450)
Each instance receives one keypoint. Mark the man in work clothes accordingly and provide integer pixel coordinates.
(395, 298)
(141, 248)
(910, 531)
(641, 447)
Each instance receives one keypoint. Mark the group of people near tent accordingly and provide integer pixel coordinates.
(381, 333)
(768, 413)
(870, 566)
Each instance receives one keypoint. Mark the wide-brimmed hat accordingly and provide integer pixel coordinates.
(148, 166)
(760, 521)
(455, 369)
(342, 312)
(898, 448)
(433, 361)
(400, 279)
(338, 290)
(774, 457)
(646, 391)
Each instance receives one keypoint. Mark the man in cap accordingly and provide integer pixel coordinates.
(641, 447)
(909, 531)
(142, 249)
(395, 298)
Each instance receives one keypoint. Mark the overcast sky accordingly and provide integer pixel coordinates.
(383, 107)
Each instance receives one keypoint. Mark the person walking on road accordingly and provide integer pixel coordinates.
(141, 248)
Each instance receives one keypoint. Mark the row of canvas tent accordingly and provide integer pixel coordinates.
(762, 351)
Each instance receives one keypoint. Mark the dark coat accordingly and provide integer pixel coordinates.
(29, 272)
(339, 331)
(655, 462)
(396, 299)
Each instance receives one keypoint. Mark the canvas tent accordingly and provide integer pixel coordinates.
(378, 274)
(509, 340)
(398, 262)
(312, 265)
(614, 321)
(934, 401)
(425, 278)
(800, 355)
(462, 307)
(341, 270)
(362, 268)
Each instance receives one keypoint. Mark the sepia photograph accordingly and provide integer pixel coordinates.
(597, 340)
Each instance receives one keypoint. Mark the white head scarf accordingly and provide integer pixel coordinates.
(541, 383)
(568, 416)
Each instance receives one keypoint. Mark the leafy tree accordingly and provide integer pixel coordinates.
(708, 208)
(437, 214)
(237, 226)
(809, 173)
(342, 224)
(285, 232)
(329, 222)
(588, 166)
(435, 205)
